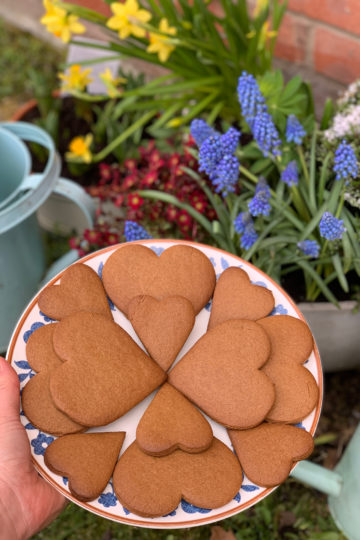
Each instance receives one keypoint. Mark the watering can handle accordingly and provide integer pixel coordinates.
(20, 209)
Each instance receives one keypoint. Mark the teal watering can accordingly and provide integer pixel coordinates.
(22, 261)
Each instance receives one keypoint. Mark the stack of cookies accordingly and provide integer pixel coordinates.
(246, 373)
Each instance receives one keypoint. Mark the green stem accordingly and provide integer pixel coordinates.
(303, 164)
(123, 136)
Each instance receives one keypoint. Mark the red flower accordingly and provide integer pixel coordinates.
(111, 239)
(119, 200)
(130, 164)
(129, 182)
(183, 220)
(92, 236)
(134, 201)
(174, 160)
(74, 243)
(200, 206)
(105, 172)
(211, 214)
(149, 179)
(171, 213)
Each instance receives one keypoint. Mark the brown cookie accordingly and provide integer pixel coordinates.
(36, 399)
(235, 297)
(221, 374)
(80, 289)
(87, 459)
(172, 422)
(162, 325)
(295, 387)
(153, 486)
(268, 452)
(41, 411)
(135, 270)
(105, 372)
(40, 352)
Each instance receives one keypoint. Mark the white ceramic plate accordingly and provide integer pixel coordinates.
(107, 505)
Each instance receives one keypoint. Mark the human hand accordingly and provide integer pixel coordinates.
(27, 502)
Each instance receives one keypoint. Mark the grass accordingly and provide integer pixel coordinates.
(292, 512)
(22, 57)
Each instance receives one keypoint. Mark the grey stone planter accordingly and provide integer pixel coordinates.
(337, 333)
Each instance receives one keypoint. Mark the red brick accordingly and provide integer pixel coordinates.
(336, 55)
(97, 5)
(344, 14)
(292, 39)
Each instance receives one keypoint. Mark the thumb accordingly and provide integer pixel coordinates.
(9, 393)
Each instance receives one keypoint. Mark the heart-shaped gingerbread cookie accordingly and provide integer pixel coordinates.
(172, 422)
(221, 374)
(295, 387)
(135, 270)
(162, 325)
(36, 399)
(153, 486)
(104, 374)
(235, 297)
(268, 452)
(87, 459)
(80, 289)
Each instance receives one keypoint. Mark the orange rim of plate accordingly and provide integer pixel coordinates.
(170, 524)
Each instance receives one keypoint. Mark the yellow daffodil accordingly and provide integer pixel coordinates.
(128, 18)
(111, 82)
(59, 22)
(161, 44)
(265, 34)
(76, 78)
(260, 6)
(79, 149)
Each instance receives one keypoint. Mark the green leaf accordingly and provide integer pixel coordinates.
(340, 272)
(319, 281)
(291, 88)
(328, 114)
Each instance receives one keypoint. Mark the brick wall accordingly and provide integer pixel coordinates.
(323, 35)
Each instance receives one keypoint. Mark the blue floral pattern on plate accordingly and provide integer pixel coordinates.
(279, 310)
(33, 327)
(99, 272)
(191, 509)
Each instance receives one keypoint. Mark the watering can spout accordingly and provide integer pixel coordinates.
(342, 485)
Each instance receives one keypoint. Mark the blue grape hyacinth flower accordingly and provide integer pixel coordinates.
(134, 231)
(310, 248)
(294, 130)
(250, 98)
(241, 221)
(230, 140)
(259, 204)
(290, 174)
(266, 135)
(345, 162)
(331, 227)
(200, 131)
(210, 154)
(226, 175)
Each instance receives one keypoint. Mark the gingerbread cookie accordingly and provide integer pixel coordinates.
(153, 486)
(87, 459)
(172, 422)
(80, 289)
(235, 297)
(295, 387)
(135, 270)
(36, 399)
(104, 374)
(268, 452)
(221, 374)
(40, 352)
(162, 325)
